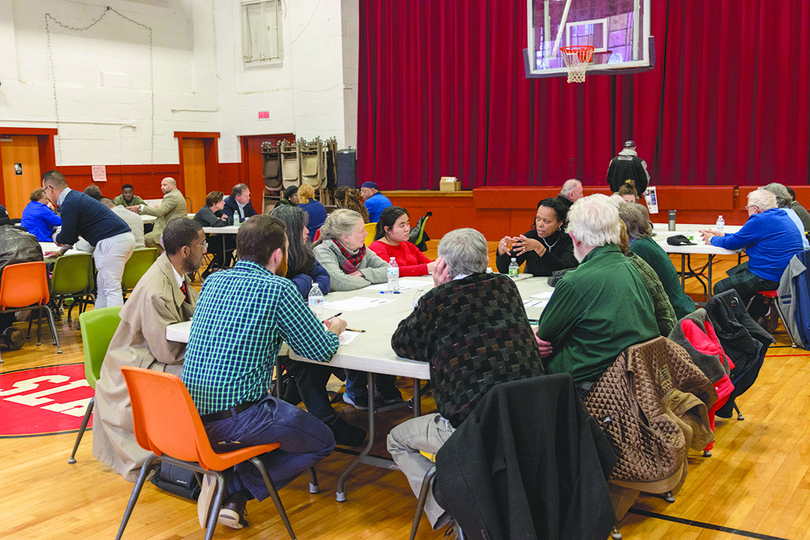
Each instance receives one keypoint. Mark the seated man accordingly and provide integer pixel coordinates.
(785, 203)
(172, 206)
(242, 317)
(128, 197)
(804, 216)
(600, 308)
(570, 193)
(770, 239)
(159, 299)
(375, 201)
(37, 217)
(134, 221)
(239, 203)
(473, 330)
(94, 191)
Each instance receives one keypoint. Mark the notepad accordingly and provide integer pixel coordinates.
(543, 295)
(347, 336)
(356, 303)
(403, 285)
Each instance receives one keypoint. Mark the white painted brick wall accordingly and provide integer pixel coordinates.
(201, 84)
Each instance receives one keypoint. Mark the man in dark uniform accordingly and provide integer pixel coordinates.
(628, 166)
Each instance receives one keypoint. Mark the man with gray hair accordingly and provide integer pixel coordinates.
(239, 203)
(473, 330)
(570, 193)
(579, 332)
(770, 239)
(784, 202)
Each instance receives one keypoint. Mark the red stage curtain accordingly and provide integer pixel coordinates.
(443, 93)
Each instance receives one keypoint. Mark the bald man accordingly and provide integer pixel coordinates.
(173, 206)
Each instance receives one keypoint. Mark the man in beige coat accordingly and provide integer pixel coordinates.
(173, 206)
(157, 301)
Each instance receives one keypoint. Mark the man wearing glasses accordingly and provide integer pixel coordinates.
(162, 297)
(770, 239)
(111, 237)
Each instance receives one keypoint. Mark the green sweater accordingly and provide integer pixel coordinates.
(649, 250)
(596, 311)
(136, 201)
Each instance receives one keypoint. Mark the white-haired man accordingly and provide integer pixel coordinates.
(570, 193)
(579, 331)
(473, 330)
(770, 239)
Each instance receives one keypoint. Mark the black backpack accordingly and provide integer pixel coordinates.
(177, 481)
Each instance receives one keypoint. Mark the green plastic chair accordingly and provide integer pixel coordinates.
(72, 280)
(136, 267)
(98, 327)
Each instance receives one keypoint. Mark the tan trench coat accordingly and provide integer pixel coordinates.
(140, 341)
(171, 207)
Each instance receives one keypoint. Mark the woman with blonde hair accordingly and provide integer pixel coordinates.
(316, 211)
(346, 197)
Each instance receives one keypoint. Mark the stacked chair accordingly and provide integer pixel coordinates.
(300, 163)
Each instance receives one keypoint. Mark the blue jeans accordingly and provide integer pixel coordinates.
(357, 383)
(304, 440)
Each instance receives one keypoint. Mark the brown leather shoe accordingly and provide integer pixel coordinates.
(234, 512)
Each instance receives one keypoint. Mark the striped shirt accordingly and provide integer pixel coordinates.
(242, 317)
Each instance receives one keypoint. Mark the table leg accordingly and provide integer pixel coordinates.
(417, 398)
(683, 270)
(711, 258)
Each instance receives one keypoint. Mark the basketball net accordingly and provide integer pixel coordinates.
(577, 58)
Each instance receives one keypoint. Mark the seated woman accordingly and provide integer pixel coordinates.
(290, 197)
(638, 229)
(38, 218)
(303, 270)
(211, 215)
(342, 251)
(316, 211)
(346, 197)
(545, 248)
(628, 191)
(391, 240)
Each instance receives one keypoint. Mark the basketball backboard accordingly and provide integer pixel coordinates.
(618, 30)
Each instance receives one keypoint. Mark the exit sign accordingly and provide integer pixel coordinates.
(264, 115)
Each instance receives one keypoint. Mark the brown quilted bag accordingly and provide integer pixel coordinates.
(627, 404)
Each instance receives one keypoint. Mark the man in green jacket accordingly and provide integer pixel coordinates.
(601, 307)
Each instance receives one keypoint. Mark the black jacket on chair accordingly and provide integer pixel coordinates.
(529, 462)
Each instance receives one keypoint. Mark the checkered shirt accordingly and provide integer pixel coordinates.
(242, 317)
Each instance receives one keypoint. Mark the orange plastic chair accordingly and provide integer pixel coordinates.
(167, 423)
(24, 286)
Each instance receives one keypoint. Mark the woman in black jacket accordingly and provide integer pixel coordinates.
(211, 215)
(545, 248)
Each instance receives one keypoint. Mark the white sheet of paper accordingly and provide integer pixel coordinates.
(403, 285)
(546, 295)
(348, 336)
(535, 303)
(356, 303)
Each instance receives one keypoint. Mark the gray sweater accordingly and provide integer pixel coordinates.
(373, 268)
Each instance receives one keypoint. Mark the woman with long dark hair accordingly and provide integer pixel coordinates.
(391, 240)
(346, 197)
(302, 268)
(545, 248)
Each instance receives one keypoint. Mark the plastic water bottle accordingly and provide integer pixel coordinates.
(720, 223)
(514, 268)
(393, 276)
(235, 219)
(316, 300)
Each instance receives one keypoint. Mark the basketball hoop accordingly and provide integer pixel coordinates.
(577, 58)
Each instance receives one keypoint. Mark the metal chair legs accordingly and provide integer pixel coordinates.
(85, 420)
(427, 482)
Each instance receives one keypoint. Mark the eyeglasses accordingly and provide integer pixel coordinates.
(748, 206)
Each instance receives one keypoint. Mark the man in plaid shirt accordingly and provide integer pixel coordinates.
(242, 317)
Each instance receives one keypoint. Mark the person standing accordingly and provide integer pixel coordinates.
(162, 297)
(628, 166)
(107, 233)
(172, 206)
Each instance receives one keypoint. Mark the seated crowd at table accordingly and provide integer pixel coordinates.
(617, 287)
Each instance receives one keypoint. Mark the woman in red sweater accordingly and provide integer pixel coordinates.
(391, 240)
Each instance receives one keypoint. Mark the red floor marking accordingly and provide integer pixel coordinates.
(42, 401)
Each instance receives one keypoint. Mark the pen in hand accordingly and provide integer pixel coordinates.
(332, 317)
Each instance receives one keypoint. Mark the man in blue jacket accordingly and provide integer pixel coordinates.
(769, 237)
(84, 216)
(375, 201)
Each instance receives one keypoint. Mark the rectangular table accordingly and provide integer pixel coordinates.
(371, 351)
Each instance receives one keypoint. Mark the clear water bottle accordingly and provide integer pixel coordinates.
(393, 276)
(315, 299)
(720, 223)
(514, 268)
(236, 219)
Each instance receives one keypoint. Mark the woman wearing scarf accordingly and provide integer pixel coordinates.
(342, 252)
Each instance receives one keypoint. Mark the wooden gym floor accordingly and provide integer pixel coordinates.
(756, 484)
